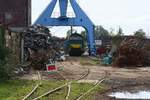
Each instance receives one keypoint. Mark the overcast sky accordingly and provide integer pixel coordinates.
(130, 15)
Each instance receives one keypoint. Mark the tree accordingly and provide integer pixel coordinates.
(112, 33)
(116, 39)
(7, 58)
(3, 55)
(83, 33)
(69, 32)
(100, 31)
(139, 33)
(120, 32)
(3, 52)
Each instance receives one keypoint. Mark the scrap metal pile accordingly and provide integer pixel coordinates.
(40, 46)
(132, 52)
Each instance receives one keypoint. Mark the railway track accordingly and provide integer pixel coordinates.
(35, 88)
(96, 84)
(68, 84)
(84, 94)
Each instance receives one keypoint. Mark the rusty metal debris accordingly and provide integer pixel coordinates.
(40, 45)
(132, 52)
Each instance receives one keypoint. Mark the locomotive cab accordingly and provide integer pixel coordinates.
(75, 45)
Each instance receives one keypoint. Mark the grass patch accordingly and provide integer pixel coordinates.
(78, 89)
(17, 89)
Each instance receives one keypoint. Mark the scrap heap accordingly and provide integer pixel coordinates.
(39, 46)
(132, 52)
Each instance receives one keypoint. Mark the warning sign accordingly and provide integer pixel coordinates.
(51, 68)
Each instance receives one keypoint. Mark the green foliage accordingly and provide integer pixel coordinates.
(139, 33)
(83, 33)
(4, 53)
(120, 32)
(116, 39)
(112, 33)
(69, 32)
(2, 35)
(100, 31)
(3, 72)
(15, 89)
(80, 88)
(4, 67)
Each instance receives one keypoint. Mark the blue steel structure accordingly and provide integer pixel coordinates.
(80, 19)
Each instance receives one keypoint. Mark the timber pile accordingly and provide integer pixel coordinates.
(132, 52)
(40, 45)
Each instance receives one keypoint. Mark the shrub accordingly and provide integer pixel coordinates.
(3, 62)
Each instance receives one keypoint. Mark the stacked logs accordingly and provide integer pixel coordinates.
(40, 45)
(132, 52)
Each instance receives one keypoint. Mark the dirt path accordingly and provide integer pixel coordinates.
(77, 65)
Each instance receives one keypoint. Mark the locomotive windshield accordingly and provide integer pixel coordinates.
(75, 37)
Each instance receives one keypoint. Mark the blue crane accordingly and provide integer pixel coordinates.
(80, 19)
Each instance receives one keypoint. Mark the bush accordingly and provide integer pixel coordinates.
(3, 62)
(3, 53)
(4, 75)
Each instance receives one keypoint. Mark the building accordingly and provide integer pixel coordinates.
(15, 14)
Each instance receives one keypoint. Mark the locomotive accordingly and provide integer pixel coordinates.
(75, 45)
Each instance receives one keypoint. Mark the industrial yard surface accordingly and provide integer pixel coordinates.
(75, 66)
(116, 78)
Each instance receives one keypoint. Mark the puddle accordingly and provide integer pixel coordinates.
(131, 95)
